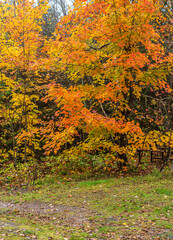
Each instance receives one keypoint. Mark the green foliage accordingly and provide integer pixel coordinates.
(23, 174)
(70, 164)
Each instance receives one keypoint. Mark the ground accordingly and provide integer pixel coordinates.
(114, 208)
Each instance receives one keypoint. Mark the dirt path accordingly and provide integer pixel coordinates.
(75, 216)
(42, 213)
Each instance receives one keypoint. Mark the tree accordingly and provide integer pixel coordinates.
(111, 52)
(58, 9)
(20, 46)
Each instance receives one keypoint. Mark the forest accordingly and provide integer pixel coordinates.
(82, 89)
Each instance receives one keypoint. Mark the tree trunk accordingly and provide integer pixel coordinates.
(123, 156)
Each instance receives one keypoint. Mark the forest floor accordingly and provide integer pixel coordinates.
(138, 207)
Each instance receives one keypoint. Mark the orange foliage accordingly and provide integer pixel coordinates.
(110, 51)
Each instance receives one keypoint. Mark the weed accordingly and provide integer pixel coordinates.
(164, 191)
(28, 232)
(76, 238)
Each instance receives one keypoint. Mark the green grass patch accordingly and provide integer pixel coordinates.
(165, 191)
(94, 182)
(95, 208)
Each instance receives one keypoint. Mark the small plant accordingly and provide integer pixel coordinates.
(156, 172)
(164, 191)
(76, 238)
(28, 232)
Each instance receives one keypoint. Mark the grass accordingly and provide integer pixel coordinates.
(127, 207)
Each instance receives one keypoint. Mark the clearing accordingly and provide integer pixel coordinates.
(116, 208)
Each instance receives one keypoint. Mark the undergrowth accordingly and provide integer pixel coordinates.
(75, 167)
